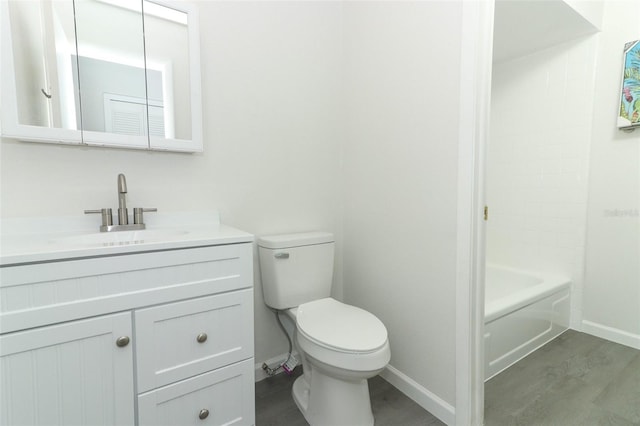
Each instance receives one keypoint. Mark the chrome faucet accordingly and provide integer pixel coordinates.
(123, 215)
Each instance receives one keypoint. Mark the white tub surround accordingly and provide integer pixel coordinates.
(523, 311)
(162, 319)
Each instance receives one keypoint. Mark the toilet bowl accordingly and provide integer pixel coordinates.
(340, 346)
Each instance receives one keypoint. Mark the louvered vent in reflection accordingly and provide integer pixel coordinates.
(156, 121)
(126, 115)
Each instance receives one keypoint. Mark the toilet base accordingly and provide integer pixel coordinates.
(328, 401)
(300, 392)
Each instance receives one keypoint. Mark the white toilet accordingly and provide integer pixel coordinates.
(341, 346)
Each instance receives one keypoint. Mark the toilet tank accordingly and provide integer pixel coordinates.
(296, 268)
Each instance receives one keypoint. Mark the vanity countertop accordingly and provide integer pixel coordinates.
(24, 241)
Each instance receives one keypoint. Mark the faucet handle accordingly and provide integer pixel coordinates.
(107, 218)
(138, 218)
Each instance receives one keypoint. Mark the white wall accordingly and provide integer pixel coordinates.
(537, 165)
(271, 139)
(612, 276)
(400, 161)
(272, 83)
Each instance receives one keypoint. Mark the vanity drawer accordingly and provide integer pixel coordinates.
(187, 338)
(220, 397)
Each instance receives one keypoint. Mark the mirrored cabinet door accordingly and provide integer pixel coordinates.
(111, 79)
(173, 76)
(117, 73)
(38, 67)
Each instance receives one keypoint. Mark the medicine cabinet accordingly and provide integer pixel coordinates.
(117, 73)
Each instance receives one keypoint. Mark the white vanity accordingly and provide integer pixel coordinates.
(149, 327)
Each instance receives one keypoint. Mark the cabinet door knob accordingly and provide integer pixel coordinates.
(202, 337)
(122, 341)
(204, 413)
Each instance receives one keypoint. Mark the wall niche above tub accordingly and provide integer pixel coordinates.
(109, 73)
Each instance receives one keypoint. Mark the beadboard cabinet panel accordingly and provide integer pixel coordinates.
(68, 374)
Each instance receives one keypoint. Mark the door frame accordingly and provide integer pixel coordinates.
(475, 97)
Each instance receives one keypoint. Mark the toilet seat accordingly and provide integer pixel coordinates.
(340, 327)
(342, 336)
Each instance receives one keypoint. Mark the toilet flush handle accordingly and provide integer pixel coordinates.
(281, 255)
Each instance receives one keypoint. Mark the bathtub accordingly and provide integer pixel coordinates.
(523, 311)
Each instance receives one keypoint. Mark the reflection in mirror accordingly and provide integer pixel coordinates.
(43, 40)
(76, 72)
(111, 74)
(168, 73)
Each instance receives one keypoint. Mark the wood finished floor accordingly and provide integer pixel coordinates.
(275, 406)
(575, 380)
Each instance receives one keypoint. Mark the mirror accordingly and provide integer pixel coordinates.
(43, 63)
(173, 76)
(168, 80)
(117, 73)
(111, 79)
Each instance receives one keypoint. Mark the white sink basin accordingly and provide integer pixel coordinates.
(28, 240)
(120, 238)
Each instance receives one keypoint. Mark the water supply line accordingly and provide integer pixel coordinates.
(288, 364)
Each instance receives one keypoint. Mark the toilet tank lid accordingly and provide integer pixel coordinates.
(295, 240)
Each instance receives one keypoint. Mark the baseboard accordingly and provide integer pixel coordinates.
(260, 374)
(422, 396)
(610, 333)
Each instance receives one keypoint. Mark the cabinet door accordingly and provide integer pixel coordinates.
(69, 374)
(171, 41)
(187, 338)
(37, 43)
(111, 73)
(220, 397)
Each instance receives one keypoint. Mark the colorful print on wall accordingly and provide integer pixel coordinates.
(630, 101)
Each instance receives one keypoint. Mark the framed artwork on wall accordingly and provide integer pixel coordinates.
(629, 115)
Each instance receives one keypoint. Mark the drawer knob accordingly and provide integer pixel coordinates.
(202, 337)
(204, 413)
(122, 341)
